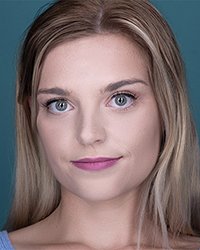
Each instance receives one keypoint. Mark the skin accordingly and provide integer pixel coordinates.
(96, 126)
(98, 209)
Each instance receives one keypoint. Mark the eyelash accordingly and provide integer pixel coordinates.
(54, 100)
(126, 93)
(50, 101)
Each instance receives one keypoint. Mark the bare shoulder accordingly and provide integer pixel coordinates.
(24, 238)
(187, 243)
(36, 237)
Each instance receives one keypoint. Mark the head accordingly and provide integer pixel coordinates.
(168, 184)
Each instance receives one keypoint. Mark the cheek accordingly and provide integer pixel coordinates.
(139, 131)
(53, 136)
(139, 137)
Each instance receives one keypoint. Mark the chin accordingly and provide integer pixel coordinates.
(99, 193)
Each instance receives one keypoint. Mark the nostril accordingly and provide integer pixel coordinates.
(91, 133)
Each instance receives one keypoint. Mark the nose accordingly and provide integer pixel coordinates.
(91, 129)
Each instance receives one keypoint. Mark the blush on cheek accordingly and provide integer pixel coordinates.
(146, 146)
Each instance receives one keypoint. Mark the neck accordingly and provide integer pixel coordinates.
(99, 224)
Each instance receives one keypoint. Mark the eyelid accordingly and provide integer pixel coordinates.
(53, 100)
(123, 92)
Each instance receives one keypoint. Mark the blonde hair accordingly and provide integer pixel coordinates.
(171, 194)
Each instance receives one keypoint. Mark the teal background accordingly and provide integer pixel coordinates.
(15, 16)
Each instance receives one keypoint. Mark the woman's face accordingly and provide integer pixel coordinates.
(98, 119)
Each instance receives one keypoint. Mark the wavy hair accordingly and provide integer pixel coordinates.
(171, 194)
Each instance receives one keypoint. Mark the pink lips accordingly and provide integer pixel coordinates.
(95, 163)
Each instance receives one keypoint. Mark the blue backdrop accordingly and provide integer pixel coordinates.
(16, 16)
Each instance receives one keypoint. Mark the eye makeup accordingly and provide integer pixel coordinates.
(122, 100)
(57, 105)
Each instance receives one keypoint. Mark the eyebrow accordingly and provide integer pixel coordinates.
(111, 87)
(116, 85)
(56, 91)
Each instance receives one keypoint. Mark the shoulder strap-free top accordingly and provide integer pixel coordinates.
(5, 243)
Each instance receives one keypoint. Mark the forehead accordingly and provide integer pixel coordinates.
(97, 58)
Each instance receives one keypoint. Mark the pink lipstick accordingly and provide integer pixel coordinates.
(92, 164)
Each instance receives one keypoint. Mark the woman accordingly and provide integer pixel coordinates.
(107, 152)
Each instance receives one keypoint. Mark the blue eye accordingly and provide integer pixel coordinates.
(58, 106)
(122, 100)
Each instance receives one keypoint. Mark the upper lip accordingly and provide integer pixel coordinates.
(97, 159)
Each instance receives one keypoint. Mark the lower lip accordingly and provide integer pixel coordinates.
(93, 166)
